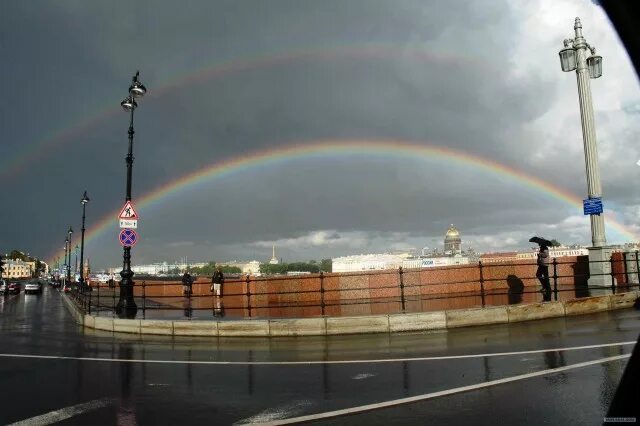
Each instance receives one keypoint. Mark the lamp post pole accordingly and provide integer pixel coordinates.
(75, 263)
(64, 272)
(575, 56)
(84, 202)
(70, 231)
(126, 307)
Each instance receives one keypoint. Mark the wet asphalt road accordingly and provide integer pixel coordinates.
(176, 392)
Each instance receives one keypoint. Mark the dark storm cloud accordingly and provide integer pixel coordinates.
(442, 73)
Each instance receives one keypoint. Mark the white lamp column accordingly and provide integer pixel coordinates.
(575, 56)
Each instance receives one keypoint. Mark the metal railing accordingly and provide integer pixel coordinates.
(383, 291)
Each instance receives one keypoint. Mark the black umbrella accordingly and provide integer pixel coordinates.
(540, 241)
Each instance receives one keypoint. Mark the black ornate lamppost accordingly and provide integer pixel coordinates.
(126, 305)
(84, 202)
(70, 231)
(64, 271)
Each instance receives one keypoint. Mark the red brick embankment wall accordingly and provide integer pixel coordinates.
(359, 293)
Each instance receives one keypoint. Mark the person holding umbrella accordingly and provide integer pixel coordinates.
(543, 265)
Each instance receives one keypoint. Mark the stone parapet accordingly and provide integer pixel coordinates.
(320, 326)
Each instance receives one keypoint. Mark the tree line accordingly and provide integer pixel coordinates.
(311, 266)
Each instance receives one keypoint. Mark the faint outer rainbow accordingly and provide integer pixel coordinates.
(326, 149)
(24, 157)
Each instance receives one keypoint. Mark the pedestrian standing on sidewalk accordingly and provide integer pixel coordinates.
(543, 269)
(216, 281)
(187, 281)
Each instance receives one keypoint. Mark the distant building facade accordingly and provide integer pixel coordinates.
(514, 256)
(452, 255)
(366, 262)
(18, 269)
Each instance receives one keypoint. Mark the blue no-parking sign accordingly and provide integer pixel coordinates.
(128, 237)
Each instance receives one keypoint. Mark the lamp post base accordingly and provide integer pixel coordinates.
(600, 270)
(126, 307)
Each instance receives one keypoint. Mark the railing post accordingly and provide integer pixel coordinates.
(189, 311)
(113, 306)
(481, 282)
(98, 299)
(637, 268)
(613, 280)
(626, 271)
(213, 299)
(400, 272)
(144, 299)
(322, 291)
(248, 279)
(555, 279)
(89, 301)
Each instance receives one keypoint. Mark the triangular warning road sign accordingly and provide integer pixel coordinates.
(128, 212)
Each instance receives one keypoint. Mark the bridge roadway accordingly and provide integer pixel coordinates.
(52, 370)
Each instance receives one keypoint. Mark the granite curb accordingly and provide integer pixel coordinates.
(324, 326)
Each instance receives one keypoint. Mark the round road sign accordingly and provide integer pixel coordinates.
(128, 237)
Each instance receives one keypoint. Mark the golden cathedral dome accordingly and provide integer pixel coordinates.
(452, 232)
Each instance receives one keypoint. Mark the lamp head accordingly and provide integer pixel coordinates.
(137, 89)
(568, 60)
(128, 103)
(70, 231)
(594, 63)
(85, 199)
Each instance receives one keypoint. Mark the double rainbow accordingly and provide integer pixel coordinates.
(331, 149)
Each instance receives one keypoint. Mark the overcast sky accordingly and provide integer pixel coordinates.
(229, 79)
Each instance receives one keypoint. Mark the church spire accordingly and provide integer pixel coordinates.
(274, 259)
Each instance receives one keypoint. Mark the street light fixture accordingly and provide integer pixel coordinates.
(126, 305)
(594, 62)
(568, 57)
(578, 55)
(84, 202)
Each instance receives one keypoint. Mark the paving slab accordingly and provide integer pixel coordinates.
(586, 305)
(535, 311)
(418, 321)
(156, 327)
(101, 323)
(195, 328)
(358, 325)
(122, 325)
(480, 316)
(623, 300)
(298, 327)
(243, 328)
